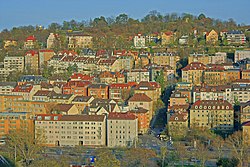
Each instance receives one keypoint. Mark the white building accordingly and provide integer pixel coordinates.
(139, 41)
(122, 129)
(241, 54)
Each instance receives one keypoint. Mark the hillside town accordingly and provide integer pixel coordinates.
(82, 95)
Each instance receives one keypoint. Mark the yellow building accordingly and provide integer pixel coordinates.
(246, 132)
(246, 74)
(193, 73)
(79, 40)
(9, 43)
(217, 115)
(31, 61)
(167, 37)
(212, 37)
(202, 58)
(12, 121)
(18, 104)
(151, 89)
(178, 124)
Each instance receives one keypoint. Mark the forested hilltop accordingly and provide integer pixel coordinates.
(118, 32)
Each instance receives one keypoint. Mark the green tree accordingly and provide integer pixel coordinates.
(201, 16)
(161, 80)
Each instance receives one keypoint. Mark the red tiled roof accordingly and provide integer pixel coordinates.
(119, 52)
(42, 93)
(32, 52)
(132, 84)
(179, 117)
(76, 84)
(23, 88)
(46, 50)
(140, 97)
(215, 68)
(194, 66)
(107, 62)
(31, 38)
(82, 77)
(63, 107)
(121, 116)
(179, 107)
(119, 85)
(212, 105)
(242, 80)
(68, 52)
(148, 85)
(168, 33)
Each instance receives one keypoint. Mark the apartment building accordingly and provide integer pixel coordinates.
(79, 40)
(30, 42)
(193, 73)
(122, 130)
(119, 91)
(14, 62)
(98, 91)
(151, 89)
(71, 130)
(6, 88)
(241, 54)
(138, 75)
(212, 114)
(165, 58)
(236, 37)
(139, 41)
(26, 90)
(31, 61)
(178, 123)
(13, 121)
(143, 119)
(82, 101)
(141, 100)
(111, 77)
(76, 88)
(205, 92)
(212, 37)
(241, 92)
(245, 74)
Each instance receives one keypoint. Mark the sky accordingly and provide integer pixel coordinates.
(14, 13)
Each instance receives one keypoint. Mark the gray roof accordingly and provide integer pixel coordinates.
(12, 84)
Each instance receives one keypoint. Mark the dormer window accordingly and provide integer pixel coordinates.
(227, 107)
(196, 107)
(176, 118)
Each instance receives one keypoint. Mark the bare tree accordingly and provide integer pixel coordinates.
(163, 155)
(181, 151)
(25, 145)
(218, 143)
(201, 152)
(138, 157)
(240, 148)
(105, 156)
